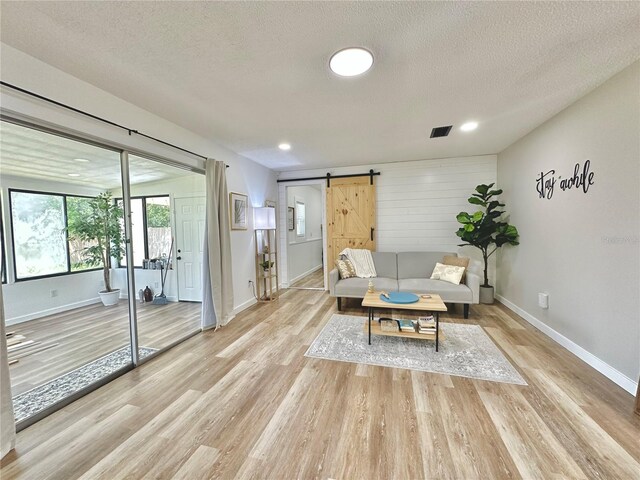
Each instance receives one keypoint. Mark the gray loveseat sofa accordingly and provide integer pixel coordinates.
(407, 271)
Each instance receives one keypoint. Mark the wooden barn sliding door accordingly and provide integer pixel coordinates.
(351, 215)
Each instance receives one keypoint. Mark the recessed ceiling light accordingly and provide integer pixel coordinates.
(284, 146)
(73, 174)
(467, 127)
(351, 62)
(81, 160)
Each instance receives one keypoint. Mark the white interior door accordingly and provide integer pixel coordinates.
(190, 214)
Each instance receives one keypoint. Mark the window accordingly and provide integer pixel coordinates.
(39, 237)
(158, 227)
(300, 219)
(41, 244)
(77, 208)
(151, 228)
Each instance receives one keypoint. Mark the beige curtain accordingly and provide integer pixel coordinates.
(217, 281)
(7, 420)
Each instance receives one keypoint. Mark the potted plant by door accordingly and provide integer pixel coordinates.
(486, 230)
(99, 227)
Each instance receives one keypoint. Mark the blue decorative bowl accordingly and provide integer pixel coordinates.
(400, 297)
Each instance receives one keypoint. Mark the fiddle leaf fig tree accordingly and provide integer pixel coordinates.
(100, 228)
(486, 229)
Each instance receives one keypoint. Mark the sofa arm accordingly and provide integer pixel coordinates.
(334, 276)
(473, 282)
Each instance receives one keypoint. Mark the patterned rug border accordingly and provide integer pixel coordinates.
(42, 396)
(520, 382)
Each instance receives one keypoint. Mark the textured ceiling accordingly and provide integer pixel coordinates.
(250, 75)
(29, 153)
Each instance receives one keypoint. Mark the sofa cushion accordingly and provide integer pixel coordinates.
(458, 262)
(447, 273)
(386, 264)
(448, 291)
(418, 264)
(345, 268)
(357, 287)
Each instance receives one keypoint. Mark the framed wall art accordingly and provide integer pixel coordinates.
(238, 211)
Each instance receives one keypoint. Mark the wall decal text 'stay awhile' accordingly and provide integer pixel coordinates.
(581, 178)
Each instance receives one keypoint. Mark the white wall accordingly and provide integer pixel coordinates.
(304, 254)
(243, 176)
(581, 249)
(417, 202)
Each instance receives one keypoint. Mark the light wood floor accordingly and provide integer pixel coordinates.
(313, 280)
(244, 402)
(71, 339)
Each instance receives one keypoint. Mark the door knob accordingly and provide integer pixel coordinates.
(178, 258)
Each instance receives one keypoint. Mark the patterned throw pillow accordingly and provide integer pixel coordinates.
(447, 273)
(345, 268)
(458, 262)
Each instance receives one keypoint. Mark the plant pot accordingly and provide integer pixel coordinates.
(110, 298)
(486, 295)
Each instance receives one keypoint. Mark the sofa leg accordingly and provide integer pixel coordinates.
(339, 304)
(466, 310)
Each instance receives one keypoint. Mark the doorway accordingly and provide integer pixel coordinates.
(302, 236)
(190, 215)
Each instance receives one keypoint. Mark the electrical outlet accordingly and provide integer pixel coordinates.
(543, 300)
(250, 283)
(156, 284)
(53, 293)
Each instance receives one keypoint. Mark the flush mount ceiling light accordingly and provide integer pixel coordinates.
(469, 126)
(73, 174)
(350, 62)
(284, 146)
(81, 160)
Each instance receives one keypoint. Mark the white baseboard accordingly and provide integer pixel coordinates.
(604, 368)
(244, 306)
(51, 311)
(302, 275)
(124, 295)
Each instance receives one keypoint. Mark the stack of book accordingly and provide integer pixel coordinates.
(427, 325)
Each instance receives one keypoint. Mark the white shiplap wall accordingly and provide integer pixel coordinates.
(418, 201)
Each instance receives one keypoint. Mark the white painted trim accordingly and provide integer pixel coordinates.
(604, 368)
(51, 311)
(308, 272)
(124, 295)
(243, 306)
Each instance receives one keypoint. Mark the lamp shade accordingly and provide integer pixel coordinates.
(264, 218)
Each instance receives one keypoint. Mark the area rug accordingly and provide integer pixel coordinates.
(43, 396)
(466, 351)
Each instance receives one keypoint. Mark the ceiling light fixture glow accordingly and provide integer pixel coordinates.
(73, 174)
(469, 126)
(351, 62)
(81, 160)
(284, 146)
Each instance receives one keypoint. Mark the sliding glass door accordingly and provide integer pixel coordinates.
(167, 205)
(99, 263)
(56, 199)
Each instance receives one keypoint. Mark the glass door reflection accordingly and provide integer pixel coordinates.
(58, 214)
